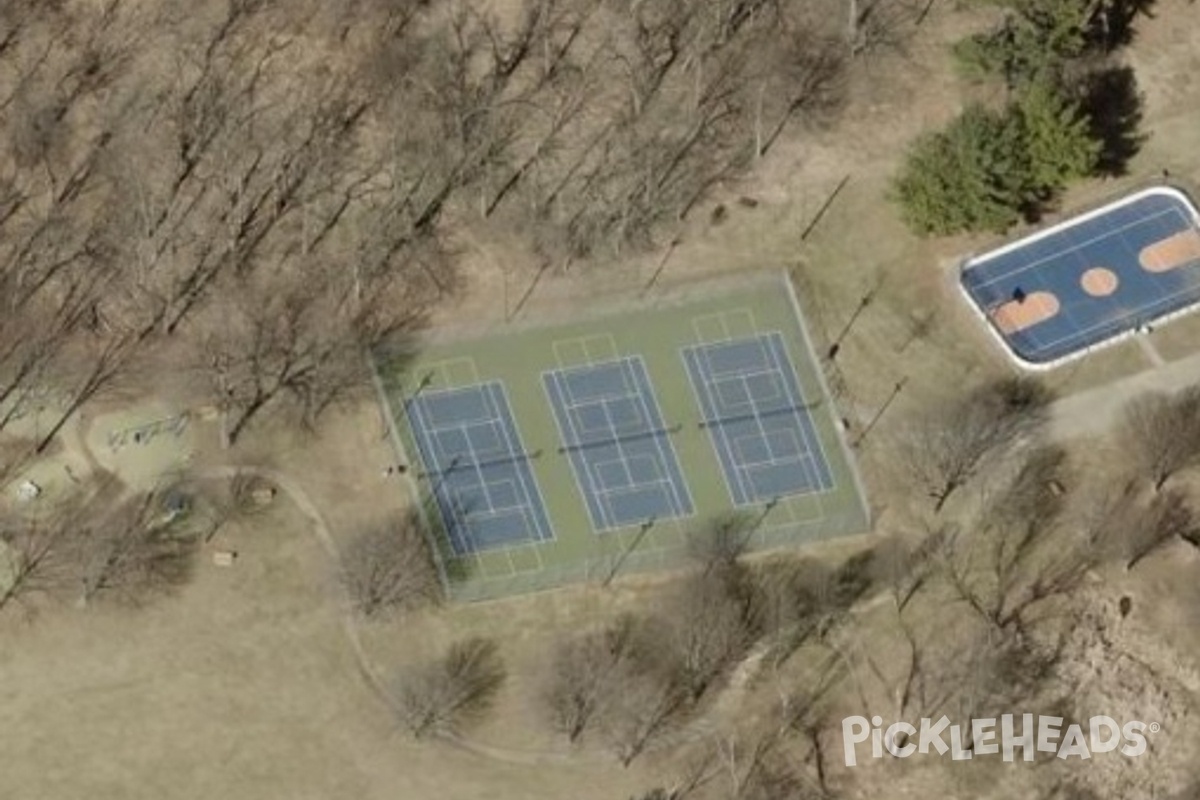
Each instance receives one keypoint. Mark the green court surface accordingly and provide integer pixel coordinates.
(706, 460)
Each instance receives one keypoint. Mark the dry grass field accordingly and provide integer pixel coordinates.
(254, 681)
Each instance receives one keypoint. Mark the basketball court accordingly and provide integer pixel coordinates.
(1092, 280)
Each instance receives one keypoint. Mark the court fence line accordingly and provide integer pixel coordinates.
(799, 521)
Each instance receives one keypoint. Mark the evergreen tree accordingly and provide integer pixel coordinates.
(968, 177)
(1056, 139)
(1035, 41)
(988, 169)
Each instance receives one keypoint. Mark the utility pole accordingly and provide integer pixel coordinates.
(662, 265)
(862, 306)
(875, 419)
(641, 534)
(508, 317)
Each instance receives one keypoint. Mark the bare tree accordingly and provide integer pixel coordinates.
(883, 24)
(1160, 434)
(583, 676)
(805, 599)
(904, 567)
(714, 619)
(97, 543)
(946, 445)
(1167, 516)
(299, 341)
(777, 754)
(621, 680)
(389, 566)
(135, 550)
(1013, 551)
(34, 553)
(442, 695)
(1121, 524)
(653, 699)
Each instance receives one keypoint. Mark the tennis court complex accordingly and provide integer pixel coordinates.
(569, 451)
(1091, 280)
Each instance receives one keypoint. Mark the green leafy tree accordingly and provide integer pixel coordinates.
(1056, 138)
(988, 169)
(1033, 43)
(968, 177)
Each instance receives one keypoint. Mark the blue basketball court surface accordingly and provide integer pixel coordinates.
(757, 419)
(612, 429)
(1092, 279)
(478, 468)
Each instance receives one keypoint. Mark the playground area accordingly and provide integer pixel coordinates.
(577, 451)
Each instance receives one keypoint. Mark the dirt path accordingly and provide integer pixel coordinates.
(1095, 410)
(370, 672)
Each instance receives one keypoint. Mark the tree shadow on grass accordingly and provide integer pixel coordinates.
(1113, 26)
(1114, 105)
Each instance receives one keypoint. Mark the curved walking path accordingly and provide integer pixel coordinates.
(1095, 410)
(375, 681)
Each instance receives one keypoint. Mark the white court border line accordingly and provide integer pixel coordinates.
(427, 529)
(1117, 338)
(803, 411)
(698, 368)
(495, 398)
(1084, 331)
(558, 394)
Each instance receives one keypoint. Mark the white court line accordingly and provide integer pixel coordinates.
(681, 494)
(1109, 341)
(1075, 247)
(774, 461)
(751, 494)
(693, 366)
(437, 489)
(762, 366)
(556, 396)
(620, 445)
(520, 469)
(1167, 191)
(718, 436)
(1142, 313)
(762, 431)
(801, 411)
(576, 444)
(769, 344)
(679, 498)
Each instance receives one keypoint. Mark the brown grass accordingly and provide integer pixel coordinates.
(244, 687)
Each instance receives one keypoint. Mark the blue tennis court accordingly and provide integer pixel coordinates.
(478, 468)
(757, 419)
(1091, 279)
(612, 430)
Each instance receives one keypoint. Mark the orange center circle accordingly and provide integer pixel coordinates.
(1099, 282)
